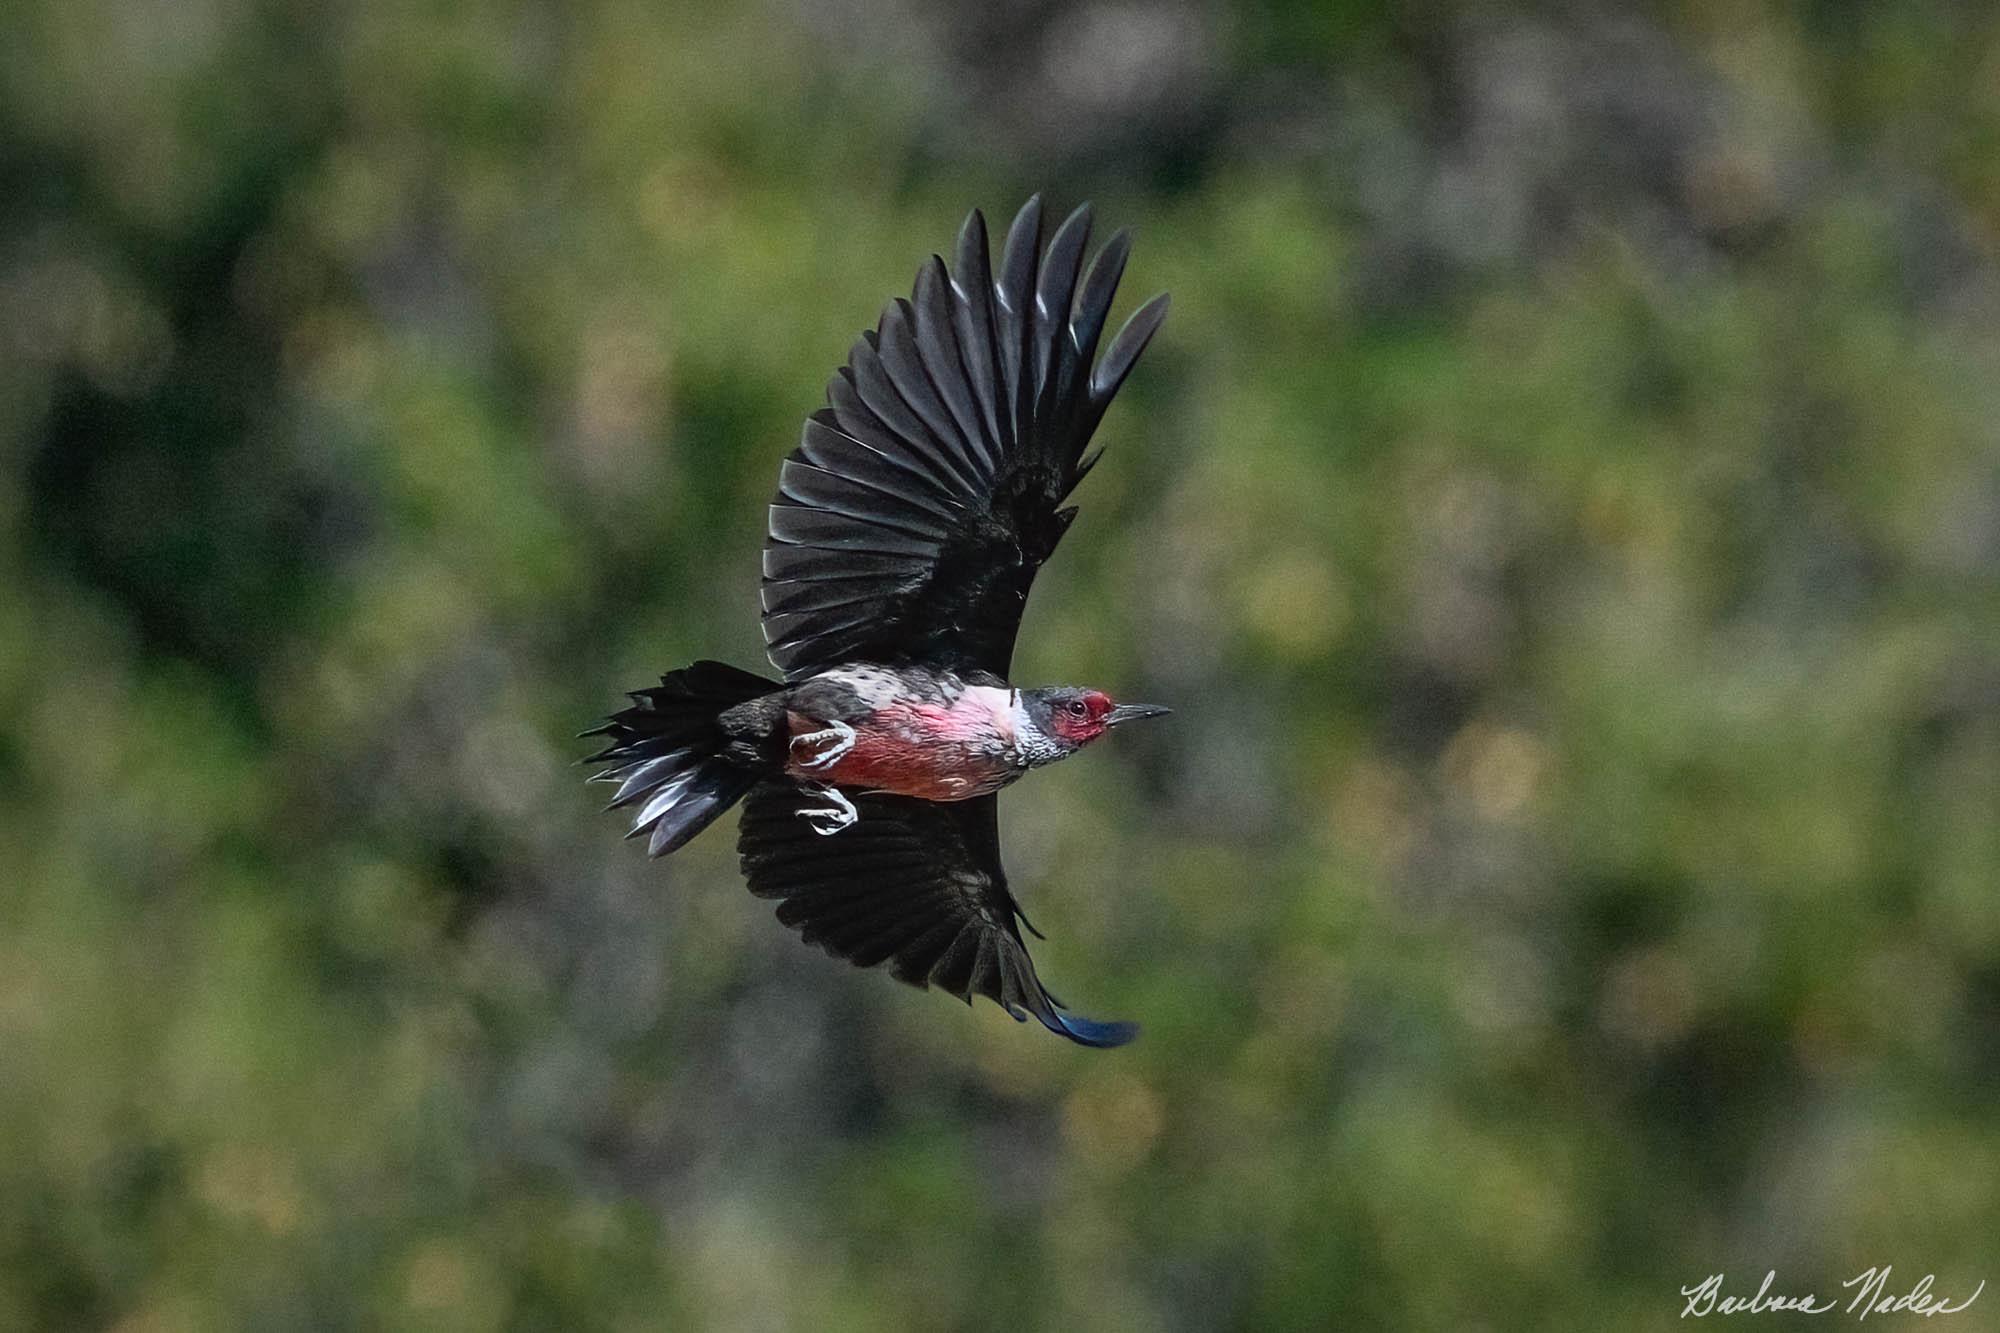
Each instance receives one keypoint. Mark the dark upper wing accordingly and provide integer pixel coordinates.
(911, 519)
(915, 884)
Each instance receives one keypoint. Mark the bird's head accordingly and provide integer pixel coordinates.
(1070, 717)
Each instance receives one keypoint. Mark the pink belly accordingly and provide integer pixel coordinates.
(912, 750)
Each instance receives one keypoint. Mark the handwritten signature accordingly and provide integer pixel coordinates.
(1871, 1296)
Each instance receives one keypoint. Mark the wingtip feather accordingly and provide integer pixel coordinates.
(1089, 1031)
(1126, 347)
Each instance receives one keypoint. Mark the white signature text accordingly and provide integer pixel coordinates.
(1869, 1288)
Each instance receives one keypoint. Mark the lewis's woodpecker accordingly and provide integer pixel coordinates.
(907, 528)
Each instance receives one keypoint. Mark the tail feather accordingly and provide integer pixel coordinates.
(666, 753)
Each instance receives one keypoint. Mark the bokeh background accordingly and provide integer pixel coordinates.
(1563, 507)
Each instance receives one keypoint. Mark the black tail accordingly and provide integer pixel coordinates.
(667, 752)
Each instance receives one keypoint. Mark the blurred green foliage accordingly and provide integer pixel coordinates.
(1563, 508)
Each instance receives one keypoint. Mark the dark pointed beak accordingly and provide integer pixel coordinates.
(1133, 712)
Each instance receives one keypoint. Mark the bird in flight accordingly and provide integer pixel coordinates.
(907, 528)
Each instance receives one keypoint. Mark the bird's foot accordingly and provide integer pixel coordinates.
(831, 818)
(818, 751)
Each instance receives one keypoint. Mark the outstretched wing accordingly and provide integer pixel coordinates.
(915, 884)
(912, 517)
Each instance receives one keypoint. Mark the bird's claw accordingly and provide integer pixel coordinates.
(817, 751)
(831, 818)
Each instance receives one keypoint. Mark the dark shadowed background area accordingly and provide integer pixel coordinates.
(1563, 509)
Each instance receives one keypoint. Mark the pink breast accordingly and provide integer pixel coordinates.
(924, 750)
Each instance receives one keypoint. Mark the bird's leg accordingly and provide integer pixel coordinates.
(830, 818)
(817, 751)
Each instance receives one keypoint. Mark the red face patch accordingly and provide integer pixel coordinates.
(1081, 718)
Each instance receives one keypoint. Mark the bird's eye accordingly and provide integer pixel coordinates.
(1075, 707)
